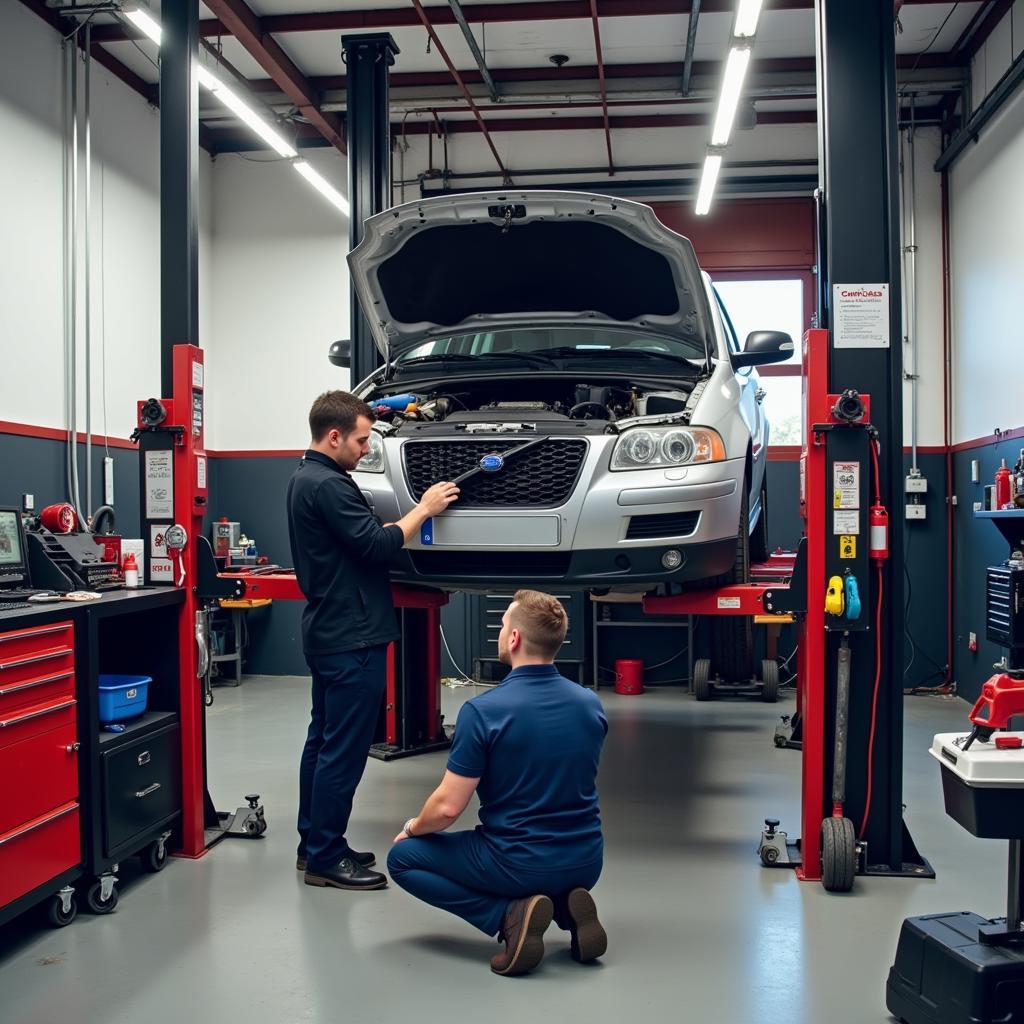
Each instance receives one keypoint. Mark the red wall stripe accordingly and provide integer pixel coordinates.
(52, 434)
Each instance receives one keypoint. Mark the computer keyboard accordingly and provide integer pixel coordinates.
(10, 606)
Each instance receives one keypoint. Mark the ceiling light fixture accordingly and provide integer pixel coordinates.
(732, 88)
(140, 17)
(322, 186)
(746, 18)
(708, 179)
(246, 114)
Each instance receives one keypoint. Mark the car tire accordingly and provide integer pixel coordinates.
(732, 636)
(759, 537)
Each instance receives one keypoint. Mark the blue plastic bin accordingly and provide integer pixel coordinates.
(122, 697)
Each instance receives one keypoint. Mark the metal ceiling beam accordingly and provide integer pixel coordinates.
(570, 72)
(995, 14)
(691, 42)
(600, 77)
(266, 51)
(492, 13)
(460, 83)
(481, 63)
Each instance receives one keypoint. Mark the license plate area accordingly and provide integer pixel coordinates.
(496, 531)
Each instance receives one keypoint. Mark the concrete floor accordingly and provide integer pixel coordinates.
(698, 931)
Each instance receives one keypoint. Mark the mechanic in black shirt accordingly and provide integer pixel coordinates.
(341, 554)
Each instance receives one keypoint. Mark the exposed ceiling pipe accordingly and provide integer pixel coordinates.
(462, 86)
(481, 63)
(691, 42)
(600, 77)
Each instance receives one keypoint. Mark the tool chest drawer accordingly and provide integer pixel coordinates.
(35, 852)
(35, 665)
(21, 723)
(37, 774)
(141, 786)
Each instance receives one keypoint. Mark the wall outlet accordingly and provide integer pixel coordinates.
(979, 506)
(917, 512)
(975, 471)
(108, 480)
(916, 484)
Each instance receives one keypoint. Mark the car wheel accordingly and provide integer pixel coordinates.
(732, 636)
(759, 538)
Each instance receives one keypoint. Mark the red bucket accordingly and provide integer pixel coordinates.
(629, 676)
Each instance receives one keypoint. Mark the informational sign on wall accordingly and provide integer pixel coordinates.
(159, 484)
(860, 315)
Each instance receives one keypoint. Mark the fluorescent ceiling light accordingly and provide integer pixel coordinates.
(732, 88)
(746, 18)
(322, 185)
(244, 112)
(708, 180)
(143, 20)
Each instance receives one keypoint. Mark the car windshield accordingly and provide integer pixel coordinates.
(541, 344)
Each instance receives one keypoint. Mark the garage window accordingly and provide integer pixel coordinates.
(779, 301)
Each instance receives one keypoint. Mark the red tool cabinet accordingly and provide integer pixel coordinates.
(40, 840)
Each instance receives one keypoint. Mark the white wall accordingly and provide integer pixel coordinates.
(281, 298)
(124, 245)
(926, 200)
(987, 278)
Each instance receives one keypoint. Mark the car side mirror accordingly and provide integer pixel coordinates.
(762, 348)
(340, 353)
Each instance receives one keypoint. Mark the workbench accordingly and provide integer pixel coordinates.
(76, 800)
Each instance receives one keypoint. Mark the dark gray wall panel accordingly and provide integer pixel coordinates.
(976, 545)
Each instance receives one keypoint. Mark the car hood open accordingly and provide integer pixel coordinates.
(461, 264)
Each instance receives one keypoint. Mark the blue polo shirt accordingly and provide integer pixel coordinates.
(534, 741)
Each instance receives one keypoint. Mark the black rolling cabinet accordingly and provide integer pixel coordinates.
(484, 619)
(131, 780)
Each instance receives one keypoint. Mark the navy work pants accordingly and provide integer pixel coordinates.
(460, 872)
(348, 690)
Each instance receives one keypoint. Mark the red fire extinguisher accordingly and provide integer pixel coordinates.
(878, 526)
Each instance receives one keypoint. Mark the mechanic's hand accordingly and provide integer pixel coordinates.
(399, 838)
(437, 498)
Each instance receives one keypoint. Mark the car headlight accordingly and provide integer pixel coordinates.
(373, 460)
(663, 447)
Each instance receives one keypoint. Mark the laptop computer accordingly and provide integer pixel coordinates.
(14, 572)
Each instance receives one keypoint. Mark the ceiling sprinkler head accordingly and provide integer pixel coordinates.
(558, 59)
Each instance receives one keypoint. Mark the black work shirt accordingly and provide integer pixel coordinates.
(341, 555)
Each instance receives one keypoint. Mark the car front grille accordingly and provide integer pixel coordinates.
(672, 524)
(542, 476)
(492, 565)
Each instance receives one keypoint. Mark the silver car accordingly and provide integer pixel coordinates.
(563, 357)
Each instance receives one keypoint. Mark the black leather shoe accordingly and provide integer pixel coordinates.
(346, 875)
(366, 859)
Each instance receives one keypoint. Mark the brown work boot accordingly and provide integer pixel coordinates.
(522, 931)
(588, 939)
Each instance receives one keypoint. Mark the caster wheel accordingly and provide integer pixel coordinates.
(769, 856)
(59, 917)
(252, 828)
(96, 904)
(838, 854)
(702, 680)
(154, 857)
(770, 680)
(780, 742)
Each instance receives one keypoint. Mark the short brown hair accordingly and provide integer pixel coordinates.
(542, 621)
(336, 410)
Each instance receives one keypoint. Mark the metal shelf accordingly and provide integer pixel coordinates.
(680, 622)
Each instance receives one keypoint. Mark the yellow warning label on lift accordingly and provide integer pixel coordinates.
(847, 546)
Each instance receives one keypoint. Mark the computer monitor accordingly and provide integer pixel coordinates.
(13, 555)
